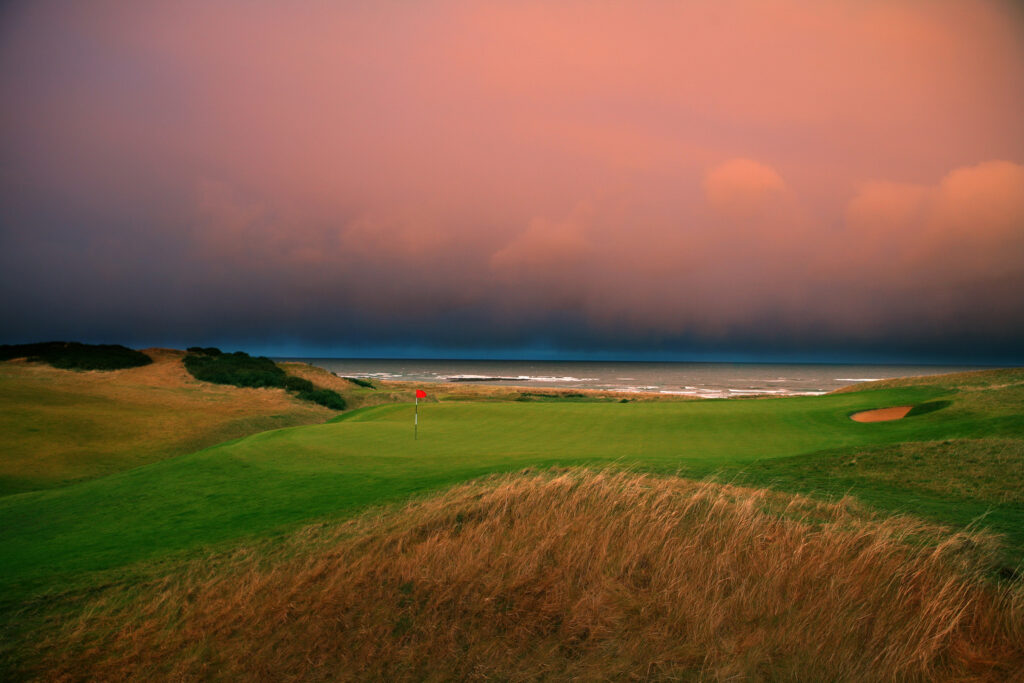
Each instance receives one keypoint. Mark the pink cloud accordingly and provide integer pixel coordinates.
(547, 244)
(742, 187)
(971, 223)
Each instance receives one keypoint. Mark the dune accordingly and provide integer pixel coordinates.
(58, 426)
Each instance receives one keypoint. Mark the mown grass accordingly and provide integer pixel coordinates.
(577, 576)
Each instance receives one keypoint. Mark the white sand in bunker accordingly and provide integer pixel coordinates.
(881, 414)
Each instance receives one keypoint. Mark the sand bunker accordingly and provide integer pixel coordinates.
(881, 414)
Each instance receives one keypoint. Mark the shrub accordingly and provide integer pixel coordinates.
(238, 369)
(325, 397)
(361, 381)
(297, 384)
(77, 356)
(242, 370)
(205, 350)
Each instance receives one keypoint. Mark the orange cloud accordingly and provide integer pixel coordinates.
(547, 244)
(742, 187)
(970, 224)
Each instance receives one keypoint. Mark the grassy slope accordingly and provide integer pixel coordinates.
(978, 380)
(58, 426)
(953, 478)
(274, 480)
(578, 576)
(960, 482)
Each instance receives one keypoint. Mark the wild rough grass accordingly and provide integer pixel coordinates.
(570, 574)
(975, 380)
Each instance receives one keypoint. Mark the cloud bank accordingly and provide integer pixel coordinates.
(660, 178)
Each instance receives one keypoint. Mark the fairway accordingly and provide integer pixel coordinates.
(273, 481)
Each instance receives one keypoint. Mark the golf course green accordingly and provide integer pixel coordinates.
(271, 482)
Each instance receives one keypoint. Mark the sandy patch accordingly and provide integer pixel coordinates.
(881, 414)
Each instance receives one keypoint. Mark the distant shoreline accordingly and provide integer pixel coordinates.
(687, 380)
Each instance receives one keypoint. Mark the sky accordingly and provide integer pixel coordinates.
(719, 179)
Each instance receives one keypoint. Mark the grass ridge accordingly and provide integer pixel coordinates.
(571, 574)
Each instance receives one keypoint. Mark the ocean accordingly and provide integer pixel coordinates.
(706, 380)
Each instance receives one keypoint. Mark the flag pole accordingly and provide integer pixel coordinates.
(416, 421)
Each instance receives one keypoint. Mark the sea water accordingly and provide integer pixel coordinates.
(707, 380)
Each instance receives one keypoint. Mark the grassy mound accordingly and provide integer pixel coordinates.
(975, 380)
(57, 427)
(577, 575)
(77, 356)
(242, 370)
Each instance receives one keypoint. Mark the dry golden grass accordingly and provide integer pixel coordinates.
(61, 425)
(571, 575)
(355, 396)
(977, 380)
(318, 376)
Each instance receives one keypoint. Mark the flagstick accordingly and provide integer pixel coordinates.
(416, 421)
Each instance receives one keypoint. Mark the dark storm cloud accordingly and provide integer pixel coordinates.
(727, 177)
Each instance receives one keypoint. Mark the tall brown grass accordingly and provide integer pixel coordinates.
(572, 575)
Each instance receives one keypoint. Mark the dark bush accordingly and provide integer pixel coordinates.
(238, 369)
(324, 397)
(297, 384)
(242, 370)
(205, 350)
(77, 356)
(361, 381)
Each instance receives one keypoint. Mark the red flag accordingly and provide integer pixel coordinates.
(420, 393)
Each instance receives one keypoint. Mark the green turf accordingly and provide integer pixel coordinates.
(275, 480)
